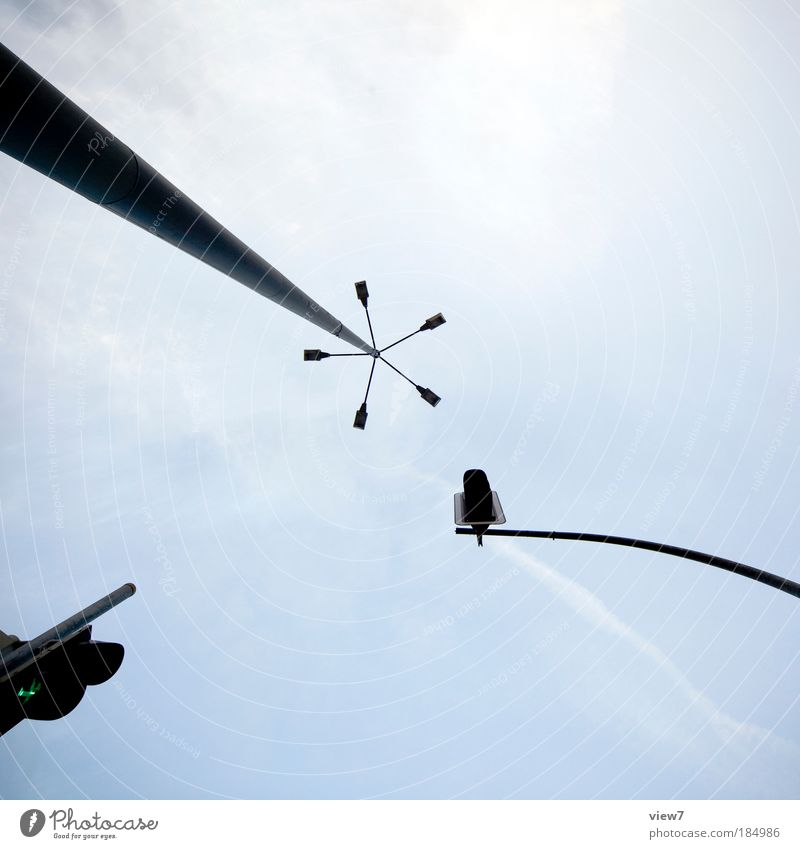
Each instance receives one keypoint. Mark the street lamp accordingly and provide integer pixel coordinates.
(487, 518)
(314, 355)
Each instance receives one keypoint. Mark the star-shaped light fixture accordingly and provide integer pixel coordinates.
(314, 354)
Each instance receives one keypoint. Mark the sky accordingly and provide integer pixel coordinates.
(600, 198)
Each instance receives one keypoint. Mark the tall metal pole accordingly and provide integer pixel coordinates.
(44, 129)
(34, 650)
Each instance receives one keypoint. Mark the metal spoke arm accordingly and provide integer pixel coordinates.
(426, 394)
(369, 322)
(399, 372)
(768, 578)
(400, 340)
(369, 382)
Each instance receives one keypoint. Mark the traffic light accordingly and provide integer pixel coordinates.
(477, 497)
(52, 686)
(478, 505)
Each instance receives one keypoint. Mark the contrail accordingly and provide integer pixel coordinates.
(727, 729)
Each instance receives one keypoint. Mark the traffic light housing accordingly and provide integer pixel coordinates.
(478, 507)
(52, 686)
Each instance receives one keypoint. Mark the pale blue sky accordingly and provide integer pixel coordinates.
(600, 197)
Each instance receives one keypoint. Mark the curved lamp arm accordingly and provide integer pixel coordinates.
(775, 581)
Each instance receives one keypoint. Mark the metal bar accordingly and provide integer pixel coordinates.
(45, 130)
(38, 647)
(400, 340)
(369, 322)
(369, 382)
(775, 581)
(398, 371)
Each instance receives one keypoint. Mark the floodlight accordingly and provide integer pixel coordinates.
(428, 395)
(361, 417)
(433, 322)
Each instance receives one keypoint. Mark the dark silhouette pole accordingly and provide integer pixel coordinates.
(775, 581)
(45, 130)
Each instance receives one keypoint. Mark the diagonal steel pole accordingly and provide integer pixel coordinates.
(44, 129)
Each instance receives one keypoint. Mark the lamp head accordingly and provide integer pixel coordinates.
(433, 322)
(361, 417)
(313, 354)
(361, 292)
(428, 395)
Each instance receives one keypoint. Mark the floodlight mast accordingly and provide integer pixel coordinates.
(44, 129)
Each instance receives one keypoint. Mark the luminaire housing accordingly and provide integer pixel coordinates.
(433, 322)
(428, 395)
(314, 354)
(361, 417)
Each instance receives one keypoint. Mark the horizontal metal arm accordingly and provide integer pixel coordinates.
(775, 581)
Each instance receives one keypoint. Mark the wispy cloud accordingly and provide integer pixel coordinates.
(684, 725)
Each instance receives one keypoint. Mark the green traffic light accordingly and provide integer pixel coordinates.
(31, 691)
